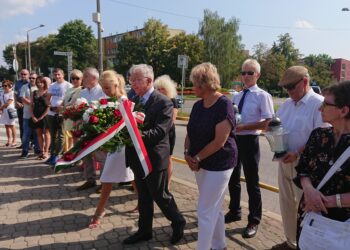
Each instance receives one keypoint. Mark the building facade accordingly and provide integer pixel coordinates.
(341, 69)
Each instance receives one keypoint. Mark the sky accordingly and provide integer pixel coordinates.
(316, 26)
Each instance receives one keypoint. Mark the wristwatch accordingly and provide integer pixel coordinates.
(186, 151)
(197, 158)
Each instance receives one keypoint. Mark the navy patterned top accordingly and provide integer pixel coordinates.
(201, 131)
(318, 157)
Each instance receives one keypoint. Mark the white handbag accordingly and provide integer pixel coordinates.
(321, 233)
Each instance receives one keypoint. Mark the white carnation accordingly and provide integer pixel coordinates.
(86, 117)
(103, 106)
(81, 101)
(89, 110)
(111, 104)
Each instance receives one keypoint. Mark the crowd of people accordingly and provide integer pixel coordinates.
(217, 145)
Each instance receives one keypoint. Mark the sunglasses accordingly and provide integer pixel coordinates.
(5, 86)
(325, 104)
(291, 86)
(249, 73)
(75, 78)
(32, 78)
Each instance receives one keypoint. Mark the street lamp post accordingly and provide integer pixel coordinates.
(28, 46)
(96, 17)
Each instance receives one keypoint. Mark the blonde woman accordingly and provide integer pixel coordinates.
(114, 170)
(70, 97)
(211, 152)
(165, 85)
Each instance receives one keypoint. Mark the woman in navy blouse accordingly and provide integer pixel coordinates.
(211, 152)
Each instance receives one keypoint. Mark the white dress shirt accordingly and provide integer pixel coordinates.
(258, 106)
(300, 118)
(93, 94)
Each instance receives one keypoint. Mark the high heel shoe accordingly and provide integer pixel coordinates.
(96, 220)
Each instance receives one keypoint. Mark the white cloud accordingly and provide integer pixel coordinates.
(302, 24)
(18, 7)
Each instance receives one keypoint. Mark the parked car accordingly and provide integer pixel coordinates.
(316, 89)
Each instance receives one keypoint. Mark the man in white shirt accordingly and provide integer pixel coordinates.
(299, 115)
(92, 92)
(256, 108)
(55, 96)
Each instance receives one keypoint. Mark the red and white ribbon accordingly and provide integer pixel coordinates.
(130, 122)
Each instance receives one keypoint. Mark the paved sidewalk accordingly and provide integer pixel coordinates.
(42, 210)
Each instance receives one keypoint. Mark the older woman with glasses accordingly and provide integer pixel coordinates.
(70, 98)
(7, 103)
(324, 147)
(211, 152)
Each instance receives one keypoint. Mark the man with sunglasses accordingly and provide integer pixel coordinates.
(300, 116)
(256, 108)
(28, 132)
(18, 101)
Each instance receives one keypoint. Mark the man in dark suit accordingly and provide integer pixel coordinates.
(155, 133)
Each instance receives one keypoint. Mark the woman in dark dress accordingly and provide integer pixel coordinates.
(323, 148)
(165, 85)
(39, 109)
(211, 152)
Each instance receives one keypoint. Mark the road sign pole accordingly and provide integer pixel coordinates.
(182, 84)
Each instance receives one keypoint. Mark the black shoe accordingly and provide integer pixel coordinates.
(231, 217)
(137, 237)
(87, 185)
(250, 231)
(24, 155)
(178, 233)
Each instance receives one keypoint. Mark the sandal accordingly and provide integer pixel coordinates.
(7, 144)
(96, 220)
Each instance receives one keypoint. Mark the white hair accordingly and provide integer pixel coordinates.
(252, 62)
(145, 69)
(168, 84)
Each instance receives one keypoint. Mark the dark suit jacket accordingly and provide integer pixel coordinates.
(155, 134)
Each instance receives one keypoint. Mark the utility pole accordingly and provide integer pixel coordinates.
(96, 17)
(28, 46)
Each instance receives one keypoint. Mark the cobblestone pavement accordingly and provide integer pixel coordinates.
(42, 210)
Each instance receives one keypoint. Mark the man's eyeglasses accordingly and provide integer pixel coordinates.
(291, 86)
(75, 78)
(137, 80)
(32, 78)
(23, 74)
(325, 104)
(249, 73)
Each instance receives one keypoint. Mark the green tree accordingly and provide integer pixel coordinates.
(222, 44)
(260, 52)
(154, 45)
(285, 46)
(77, 37)
(272, 69)
(183, 44)
(129, 52)
(320, 68)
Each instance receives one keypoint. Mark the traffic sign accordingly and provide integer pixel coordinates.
(60, 53)
(182, 61)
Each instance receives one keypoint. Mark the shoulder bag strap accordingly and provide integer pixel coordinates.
(345, 155)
